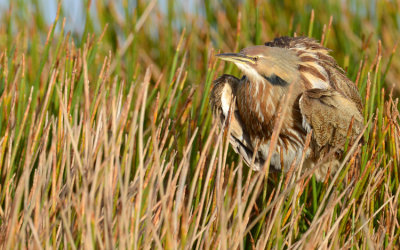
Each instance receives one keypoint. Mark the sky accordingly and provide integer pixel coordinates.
(74, 12)
(72, 9)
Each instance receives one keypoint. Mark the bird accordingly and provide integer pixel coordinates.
(322, 102)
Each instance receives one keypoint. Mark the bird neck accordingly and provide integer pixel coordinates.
(250, 73)
(259, 98)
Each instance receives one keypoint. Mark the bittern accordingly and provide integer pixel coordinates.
(323, 102)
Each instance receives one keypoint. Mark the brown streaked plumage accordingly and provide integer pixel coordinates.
(323, 100)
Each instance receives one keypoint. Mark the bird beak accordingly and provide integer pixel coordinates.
(236, 58)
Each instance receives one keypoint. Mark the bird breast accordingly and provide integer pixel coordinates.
(257, 106)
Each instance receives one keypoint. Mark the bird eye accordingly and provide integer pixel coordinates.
(255, 58)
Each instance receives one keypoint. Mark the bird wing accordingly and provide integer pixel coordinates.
(341, 83)
(329, 114)
(222, 95)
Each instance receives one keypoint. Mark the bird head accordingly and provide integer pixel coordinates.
(276, 66)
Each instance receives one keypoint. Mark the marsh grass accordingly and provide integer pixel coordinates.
(107, 139)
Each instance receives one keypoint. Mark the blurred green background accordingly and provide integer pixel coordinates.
(357, 25)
